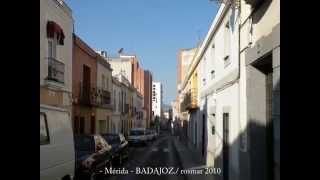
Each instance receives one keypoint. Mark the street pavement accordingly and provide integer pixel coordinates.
(161, 153)
(165, 152)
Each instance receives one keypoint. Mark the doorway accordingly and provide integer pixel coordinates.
(81, 125)
(86, 83)
(203, 133)
(264, 66)
(225, 146)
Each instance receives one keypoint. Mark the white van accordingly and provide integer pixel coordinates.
(137, 136)
(57, 155)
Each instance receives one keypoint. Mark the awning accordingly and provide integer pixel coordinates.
(53, 28)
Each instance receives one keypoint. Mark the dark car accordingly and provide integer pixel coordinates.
(120, 146)
(93, 155)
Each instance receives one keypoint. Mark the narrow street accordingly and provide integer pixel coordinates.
(156, 154)
(199, 91)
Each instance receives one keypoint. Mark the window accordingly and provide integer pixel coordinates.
(213, 130)
(52, 48)
(107, 82)
(114, 101)
(44, 132)
(119, 102)
(103, 81)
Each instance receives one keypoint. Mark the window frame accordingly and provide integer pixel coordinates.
(47, 141)
(53, 48)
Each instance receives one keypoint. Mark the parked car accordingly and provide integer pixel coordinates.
(93, 154)
(120, 146)
(149, 135)
(154, 133)
(57, 156)
(137, 136)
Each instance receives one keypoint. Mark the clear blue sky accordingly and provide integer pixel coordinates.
(152, 29)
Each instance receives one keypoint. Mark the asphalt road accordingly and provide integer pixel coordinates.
(159, 154)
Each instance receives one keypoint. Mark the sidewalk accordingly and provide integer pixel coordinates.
(189, 160)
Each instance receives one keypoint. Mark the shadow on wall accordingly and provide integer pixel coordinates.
(255, 163)
(258, 146)
(260, 10)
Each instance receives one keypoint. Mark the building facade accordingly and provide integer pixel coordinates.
(260, 57)
(238, 78)
(84, 78)
(125, 118)
(56, 28)
(128, 66)
(117, 106)
(104, 123)
(157, 99)
(137, 110)
(219, 83)
(147, 96)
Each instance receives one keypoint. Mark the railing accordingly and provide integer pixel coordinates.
(55, 70)
(190, 100)
(90, 95)
(103, 97)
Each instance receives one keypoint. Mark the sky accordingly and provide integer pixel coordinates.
(153, 30)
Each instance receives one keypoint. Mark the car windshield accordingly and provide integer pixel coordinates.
(136, 132)
(84, 143)
(112, 139)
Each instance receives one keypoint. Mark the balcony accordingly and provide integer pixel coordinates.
(103, 98)
(55, 70)
(90, 95)
(190, 100)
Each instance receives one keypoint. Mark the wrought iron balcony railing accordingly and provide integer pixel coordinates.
(90, 95)
(55, 70)
(190, 100)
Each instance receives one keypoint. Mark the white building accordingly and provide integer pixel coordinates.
(56, 29)
(157, 99)
(212, 83)
(260, 110)
(238, 71)
(122, 65)
(116, 102)
(138, 113)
